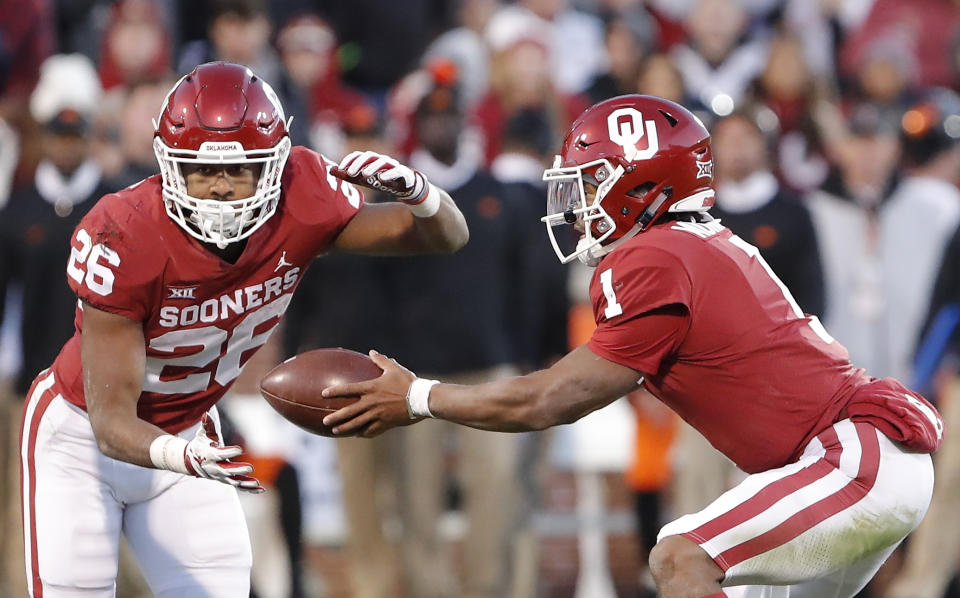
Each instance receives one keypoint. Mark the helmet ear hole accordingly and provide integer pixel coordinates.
(641, 190)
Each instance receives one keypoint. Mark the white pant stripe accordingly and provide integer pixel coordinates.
(790, 504)
(779, 512)
(726, 502)
(852, 447)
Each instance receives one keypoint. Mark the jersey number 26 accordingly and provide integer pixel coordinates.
(86, 264)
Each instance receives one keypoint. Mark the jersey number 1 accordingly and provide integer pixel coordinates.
(613, 308)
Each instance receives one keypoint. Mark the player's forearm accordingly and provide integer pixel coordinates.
(114, 363)
(532, 402)
(112, 398)
(508, 405)
(573, 387)
(123, 436)
(446, 231)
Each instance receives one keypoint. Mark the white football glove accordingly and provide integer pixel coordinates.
(383, 173)
(204, 457)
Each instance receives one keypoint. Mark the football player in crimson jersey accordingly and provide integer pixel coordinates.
(180, 278)
(839, 462)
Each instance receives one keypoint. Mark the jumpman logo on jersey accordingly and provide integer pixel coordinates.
(283, 262)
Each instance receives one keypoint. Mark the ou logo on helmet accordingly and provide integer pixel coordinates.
(626, 127)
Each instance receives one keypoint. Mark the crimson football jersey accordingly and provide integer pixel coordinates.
(721, 341)
(202, 316)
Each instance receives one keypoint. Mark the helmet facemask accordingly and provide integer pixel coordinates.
(221, 222)
(569, 204)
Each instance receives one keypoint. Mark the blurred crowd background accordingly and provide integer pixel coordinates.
(835, 127)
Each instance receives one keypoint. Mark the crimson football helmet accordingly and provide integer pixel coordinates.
(644, 156)
(221, 114)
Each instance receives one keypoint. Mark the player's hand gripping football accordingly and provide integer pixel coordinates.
(382, 404)
(206, 457)
(377, 171)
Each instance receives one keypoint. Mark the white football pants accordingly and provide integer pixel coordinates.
(820, 527)
(188, 534)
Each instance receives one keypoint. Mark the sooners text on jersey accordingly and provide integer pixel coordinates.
(202, 317)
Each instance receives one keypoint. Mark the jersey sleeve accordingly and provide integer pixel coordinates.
(112, 267)
(319, 200)
(641, 305)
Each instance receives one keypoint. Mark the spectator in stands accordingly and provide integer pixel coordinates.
(466, 47)
(932, 138)
(573, 39)
(474, 341)
(238, 31)
(136, 46)
(629, 38)
(35, 230)
(846, 212)
(923, 29)
(660, 77)
(717, 65)
(752, 204)
(27, 40)
(928, 188)
(519, 80)
(383, 40)
(527, 141)
(135, 131)
(880, 250)
(40, 217)
(815, 26)
(308, 49)
(789, 90)
(885, 77)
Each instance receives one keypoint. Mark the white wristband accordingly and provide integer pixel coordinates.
(418, 397)
(429, 205)
(167, 451)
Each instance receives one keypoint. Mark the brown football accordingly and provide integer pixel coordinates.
(293, 388)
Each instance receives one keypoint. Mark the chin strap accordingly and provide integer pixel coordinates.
(651, 210)
(592, 256)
